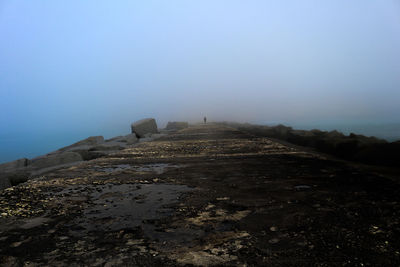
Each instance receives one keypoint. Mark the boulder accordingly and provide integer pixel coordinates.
(18, 177)
(88, 142)
(54, 160)
(4, 182)
(109, 146)
(145, 126)
(303, 133)
(119, 138)
(176, 125)
(148, 135)
(129, 139)
(317, 132)
(14, 166)
(86, 152)
(334, 135)
(77, 148)
(92, 140)
(83, 148)
(365, 140)
(282, 130)
(14, 172)
(95, 147)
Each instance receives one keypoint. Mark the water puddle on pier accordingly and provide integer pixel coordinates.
(113, 207)
(157, 168)
(115, 168)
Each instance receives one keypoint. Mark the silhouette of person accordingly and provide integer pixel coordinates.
(205, 120)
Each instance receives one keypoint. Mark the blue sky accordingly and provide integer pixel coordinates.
(79, 68)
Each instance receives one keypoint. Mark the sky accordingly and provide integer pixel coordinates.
(71, 69)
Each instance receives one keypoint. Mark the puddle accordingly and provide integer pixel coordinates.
(157, 168)
(302, 187)
(115, 168)
(116, 207)
(34, 222)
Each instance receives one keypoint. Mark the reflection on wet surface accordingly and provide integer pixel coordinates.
(115, 168)
(157, 168)
(115, 207)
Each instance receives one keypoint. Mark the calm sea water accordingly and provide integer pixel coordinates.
(25, 145)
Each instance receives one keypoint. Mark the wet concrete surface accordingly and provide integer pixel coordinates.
(206, 195)
(117, 207)
(157, 168)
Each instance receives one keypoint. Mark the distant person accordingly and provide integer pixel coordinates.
(205, 120)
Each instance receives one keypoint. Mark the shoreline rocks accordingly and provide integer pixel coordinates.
(353, 147)
(90, 141)
(54, 160)
(129, 139)
(21, 170)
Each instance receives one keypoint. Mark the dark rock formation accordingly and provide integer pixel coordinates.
(129, 139)
(93, 147)
(143, 127)
(370, 150)
(21, 170)
(54, 160)
(13, 172)
(14, 165)
(88, 142)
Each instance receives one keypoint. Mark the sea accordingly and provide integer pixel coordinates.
(29, 145)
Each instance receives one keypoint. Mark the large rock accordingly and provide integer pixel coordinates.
(177, 125)
(4, 182)
(17, 177)
(14, 166)
(334, 135)
(303, 133)
(129, 139)
(88, 142)
(365, 140)
(145, 126)
(95, 146)
(92, 140)
(77, 148)
(14, 172)
(47, 161)
(282, 130)
(83, 148)
(86, 152)
(109, 146)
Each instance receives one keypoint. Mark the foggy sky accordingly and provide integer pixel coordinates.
(93, 67)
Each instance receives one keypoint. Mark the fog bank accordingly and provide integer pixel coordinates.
(70, 70)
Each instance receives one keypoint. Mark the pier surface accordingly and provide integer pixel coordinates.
(205, 195)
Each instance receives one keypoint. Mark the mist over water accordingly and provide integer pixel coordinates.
(78, 69)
